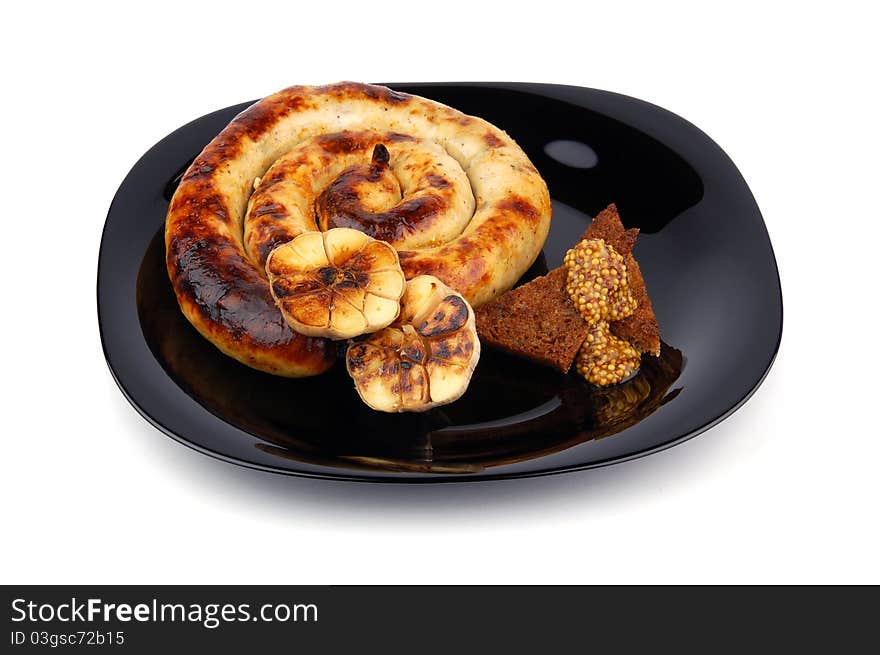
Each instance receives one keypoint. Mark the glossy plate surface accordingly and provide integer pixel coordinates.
(703, 250)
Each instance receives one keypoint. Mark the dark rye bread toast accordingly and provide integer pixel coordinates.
(539, 321)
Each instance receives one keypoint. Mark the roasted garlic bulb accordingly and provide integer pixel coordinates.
(337, 284)
(425, 358)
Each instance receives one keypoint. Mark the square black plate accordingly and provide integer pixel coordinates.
(703, 250)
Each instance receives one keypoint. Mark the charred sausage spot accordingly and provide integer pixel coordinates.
(400, 137)
(272, 210)
(519, 205)
(379, 93)
(268, 244)
(259, 118)
(492, 141)
(437, 182)
(343, 142)
(198, 170)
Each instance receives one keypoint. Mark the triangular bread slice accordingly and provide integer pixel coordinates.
(537, 321)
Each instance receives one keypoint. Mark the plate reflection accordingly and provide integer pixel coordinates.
(513, 411)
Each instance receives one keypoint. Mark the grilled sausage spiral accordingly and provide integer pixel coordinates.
(455, 195)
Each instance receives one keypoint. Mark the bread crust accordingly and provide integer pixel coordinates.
(223, 291)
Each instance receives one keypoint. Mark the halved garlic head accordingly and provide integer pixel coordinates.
(425, 358)
(337, 284)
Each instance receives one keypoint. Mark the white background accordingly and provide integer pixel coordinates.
(786, 490)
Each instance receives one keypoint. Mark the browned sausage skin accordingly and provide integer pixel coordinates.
(222, 294)
(459, 196)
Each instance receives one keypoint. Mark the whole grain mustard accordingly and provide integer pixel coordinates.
(597, 284)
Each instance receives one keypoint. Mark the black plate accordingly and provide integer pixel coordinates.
(704, 252)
